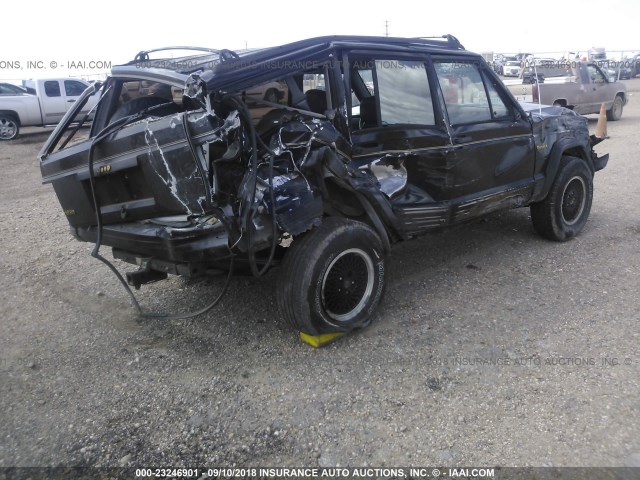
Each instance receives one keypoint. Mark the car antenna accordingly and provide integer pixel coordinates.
(537, 80)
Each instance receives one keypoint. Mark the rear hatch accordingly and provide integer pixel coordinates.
(150, 168)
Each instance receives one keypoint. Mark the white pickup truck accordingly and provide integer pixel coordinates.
(47, 106)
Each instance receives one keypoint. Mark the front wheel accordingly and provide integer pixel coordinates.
(615, 112)
(564, 213)
(9, 127)
(332, 279)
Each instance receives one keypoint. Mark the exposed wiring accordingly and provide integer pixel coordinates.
(247, 220)
(104, 133)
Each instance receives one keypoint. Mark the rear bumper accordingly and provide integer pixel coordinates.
(201, 243)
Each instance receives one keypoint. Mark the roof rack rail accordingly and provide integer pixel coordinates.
(452, 42)
(224, 53)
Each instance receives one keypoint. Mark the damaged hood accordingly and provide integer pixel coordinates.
(542, 111)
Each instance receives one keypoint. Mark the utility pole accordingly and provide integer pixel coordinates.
(386, 28)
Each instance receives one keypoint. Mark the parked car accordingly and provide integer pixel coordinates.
(624, 69)
(497, 63)
(535, 70)
(511, 68)
(52, 99)
(9, 89)
(407, 136)
(582, 85)
(633, 64)
(616, 70)
(623, 73)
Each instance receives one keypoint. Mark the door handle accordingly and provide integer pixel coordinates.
(70, 101)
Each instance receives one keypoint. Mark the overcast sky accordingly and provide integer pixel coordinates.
(115, 31)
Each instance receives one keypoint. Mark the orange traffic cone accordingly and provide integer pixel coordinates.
(601, 127)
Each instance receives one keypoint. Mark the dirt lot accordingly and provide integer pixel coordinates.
(492, 347)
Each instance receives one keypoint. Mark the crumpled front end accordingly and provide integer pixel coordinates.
(559, 131)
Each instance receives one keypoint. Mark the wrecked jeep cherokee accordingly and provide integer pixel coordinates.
(314, 156)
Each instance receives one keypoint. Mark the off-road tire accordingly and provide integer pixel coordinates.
(332, 279)
(9, 127)
(564, 212)
(615, 112)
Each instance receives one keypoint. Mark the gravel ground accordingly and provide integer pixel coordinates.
(492, 347)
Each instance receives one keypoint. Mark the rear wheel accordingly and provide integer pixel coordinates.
(615, 112)
(9, 127)
(332, 279)
(564, 213)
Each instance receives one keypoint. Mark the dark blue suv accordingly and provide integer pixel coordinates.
(315, 157)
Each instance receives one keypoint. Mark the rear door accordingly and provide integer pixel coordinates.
(53, 101)
(142, 170)
(397, 131)
(72, 91)
(59, 95)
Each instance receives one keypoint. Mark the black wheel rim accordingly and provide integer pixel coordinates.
(573, 200)
(347, 285)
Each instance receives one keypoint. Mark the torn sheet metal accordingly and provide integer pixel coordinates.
(391, 173)
(178, 182)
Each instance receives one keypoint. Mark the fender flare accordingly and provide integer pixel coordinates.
(572, 146)
(377, 222)
(376, 208)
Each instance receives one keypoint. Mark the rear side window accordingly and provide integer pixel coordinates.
(52, 88)
(405, 97)
(133, 96)
(307, 91)
(390, 92)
